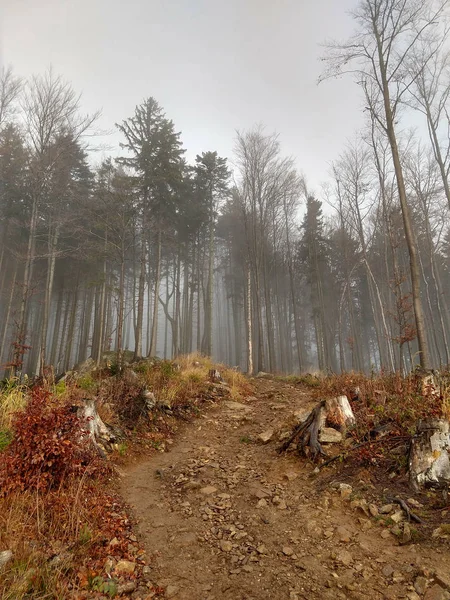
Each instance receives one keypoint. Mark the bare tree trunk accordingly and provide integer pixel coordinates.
(156, 303)
(249, 323)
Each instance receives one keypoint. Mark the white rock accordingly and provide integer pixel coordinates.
(5, 557)
(328, 435)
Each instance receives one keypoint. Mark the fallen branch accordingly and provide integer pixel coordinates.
(406, 508)
(357, 446)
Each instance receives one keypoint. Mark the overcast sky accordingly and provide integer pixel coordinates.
(214, 65)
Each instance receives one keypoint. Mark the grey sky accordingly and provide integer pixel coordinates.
(215, 66)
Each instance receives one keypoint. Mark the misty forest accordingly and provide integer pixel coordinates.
(144, 253)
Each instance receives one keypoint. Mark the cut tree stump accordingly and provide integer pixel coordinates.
(429, 459)
(333, 414)
(102, 436)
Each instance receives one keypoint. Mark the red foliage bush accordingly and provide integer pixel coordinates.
(49, 445)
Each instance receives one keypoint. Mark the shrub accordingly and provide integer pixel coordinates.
(49, 444)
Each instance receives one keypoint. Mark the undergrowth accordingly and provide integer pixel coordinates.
(56, 513)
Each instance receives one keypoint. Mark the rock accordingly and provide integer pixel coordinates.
(125, 567)
(388, 571)
(435, 593)
(171, 591)
(386, 509)
(192, 485)
(266, 436)
(208, 490)
(442, 578)
(385, 534)
(413, 596)
(147, 573)
(301, 415)
(261, 375)
(262, 503)
(282, 505)
(420, 585)
(126, 588)
(414, 503)
(429, 459)
(345, 490)
(373, 510)
(344, 557)
(406, 534)
(287, 551)
(398, 516)
(343, 534)
(328, 435)
(5, 557)
(261, 549)
(226, 546)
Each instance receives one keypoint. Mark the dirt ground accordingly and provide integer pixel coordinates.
(223, 516)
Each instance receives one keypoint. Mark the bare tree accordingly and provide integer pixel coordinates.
(378, 53)
(10, 89)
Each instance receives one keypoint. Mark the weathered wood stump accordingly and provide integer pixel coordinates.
(429, 459)
(326, 423)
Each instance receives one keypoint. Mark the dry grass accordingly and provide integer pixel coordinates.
(13, 398)
(37, 527)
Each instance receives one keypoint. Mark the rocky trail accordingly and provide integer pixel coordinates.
(223, 516)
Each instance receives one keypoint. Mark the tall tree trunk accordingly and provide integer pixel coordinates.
(156, 296)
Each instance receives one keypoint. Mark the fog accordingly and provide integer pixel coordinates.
(174, 179)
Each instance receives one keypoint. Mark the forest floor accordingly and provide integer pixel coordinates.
(222, 515)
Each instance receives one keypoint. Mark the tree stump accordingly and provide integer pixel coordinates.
(333, 414)
(429, 459)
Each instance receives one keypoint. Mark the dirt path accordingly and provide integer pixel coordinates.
(225, 517)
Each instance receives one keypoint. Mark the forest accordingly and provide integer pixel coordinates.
(147, 254)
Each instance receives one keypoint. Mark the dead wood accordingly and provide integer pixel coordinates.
(306, 434)
(410, 515)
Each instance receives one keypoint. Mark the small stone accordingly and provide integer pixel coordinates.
(420, 585)
(413, 596)
(192, 485)
(414, 503)
(266, 436)
(385, 534)
(208, 490)
(226, 546)
(345, 490)
(125, 567)
(146, 572)
(261, 549)
(343, 534)
(388, 571)
(282, 505)
(397, 517)
(386, 509)
(328, 435)
(287, 551)
(171, 591)
(114, 542)
(373, 510)
(5, 557)
(344, 557)
(435, 593)
(126, 588)
(261, 503)
(406, 535)
(290, 475)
